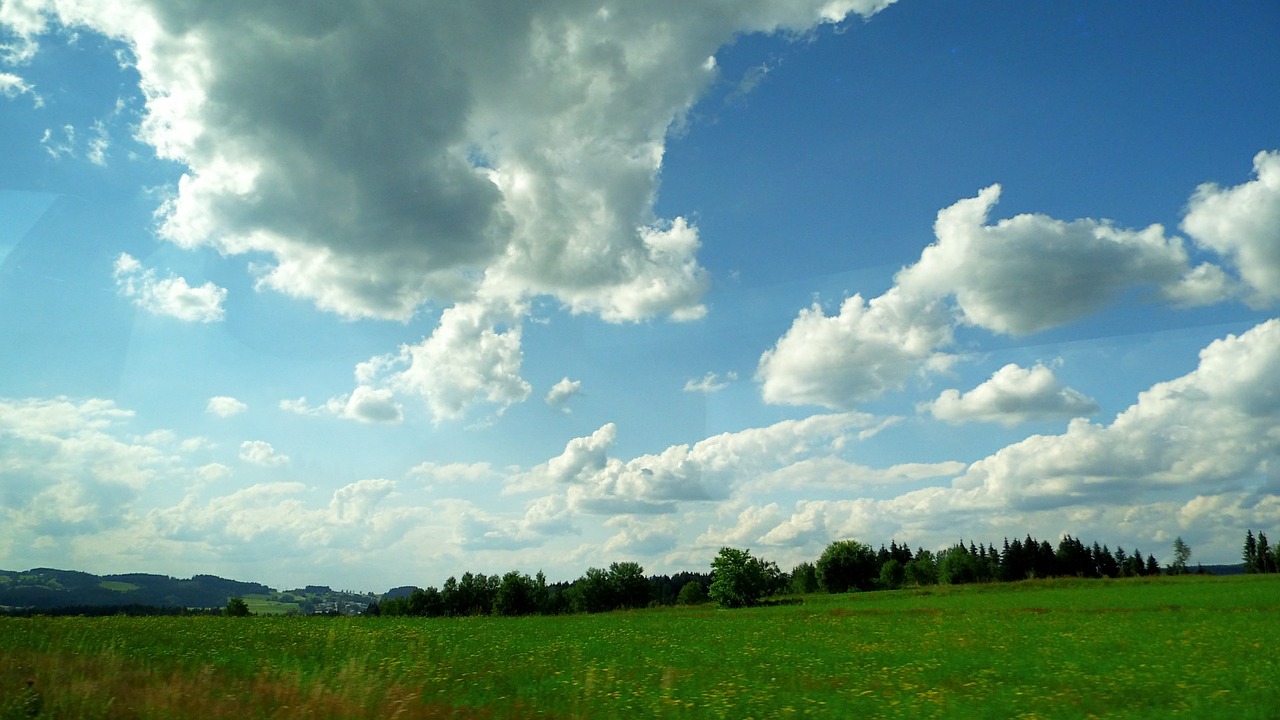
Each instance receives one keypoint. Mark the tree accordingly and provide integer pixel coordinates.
(693, 593)
(847, 565)
(804, 579)
(1250, 554)
(237, 607)
(593, 592)
(957, 566)
(1266, 563)
(630, 588)
(1181, 554)
(517, 595)
(737, 578)
(923, 568)
(1153, 567)
(892, 574)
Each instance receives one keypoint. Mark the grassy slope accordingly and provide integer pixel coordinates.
(1190, 647)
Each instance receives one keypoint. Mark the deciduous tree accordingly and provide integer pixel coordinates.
(737, 578)
(847, 565)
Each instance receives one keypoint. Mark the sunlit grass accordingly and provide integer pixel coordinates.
(1190, 647)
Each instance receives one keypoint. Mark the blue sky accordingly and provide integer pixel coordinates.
(378, 295)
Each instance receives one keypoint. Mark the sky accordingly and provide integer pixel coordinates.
(368, 294)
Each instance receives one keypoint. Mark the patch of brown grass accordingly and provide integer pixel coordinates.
(75, 687)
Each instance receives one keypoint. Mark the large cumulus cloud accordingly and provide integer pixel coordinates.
(373, 157)
(1018, 276)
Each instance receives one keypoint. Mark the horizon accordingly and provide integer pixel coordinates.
(397, 294)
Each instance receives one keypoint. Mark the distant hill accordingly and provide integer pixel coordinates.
(50, 589)
(42, 588)
(1237, 569)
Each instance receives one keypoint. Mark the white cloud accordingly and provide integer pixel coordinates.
(58, 148)
(518, 157)
(11, 86)
(170, 296)
(526, 143)
(224, 406)
(1243, 224)
(1013, 395)
(1021, 275)
(364, 404)
(1208, 429)
(637, 538)
(857, 354)
(562, 392)
(259, 452)
(469, 356)
(64, 469)
(99, 142)
(1032, 272)
(456, 473)
(710, 383)
(711, 469)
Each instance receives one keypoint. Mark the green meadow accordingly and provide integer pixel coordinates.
(1131, 648)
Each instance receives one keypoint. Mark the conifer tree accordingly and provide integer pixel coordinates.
(1265, 562)
(1250, 554)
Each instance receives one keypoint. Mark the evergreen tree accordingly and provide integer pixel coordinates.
(1265, 562)
(1122, 562)
(1153, 566)
(1250, 554)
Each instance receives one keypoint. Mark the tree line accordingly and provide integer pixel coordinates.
(622, 586)
(739, 579)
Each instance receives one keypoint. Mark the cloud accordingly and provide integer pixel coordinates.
(477, 529)
(470, 356)
(1013, 395)
(1243, 224)
(522, 146)
(224, 406)
(710, 383)
(11, 86)
(281, 520)
(64, 470)
(364, 404)
(562, 392)
(1021, 275)
(1209, 429)
(456, 473)
(59, 148)
(501, 156)
(711, 469)
(1032, 272)
(99, 142)
(258, 452)
(170, 296)
(641, 538)
(856, 355)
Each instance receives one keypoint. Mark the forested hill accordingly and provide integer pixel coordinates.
(46, 588)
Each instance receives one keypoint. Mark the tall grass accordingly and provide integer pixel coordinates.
(1190, 647)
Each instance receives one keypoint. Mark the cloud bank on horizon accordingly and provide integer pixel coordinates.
(476, 187)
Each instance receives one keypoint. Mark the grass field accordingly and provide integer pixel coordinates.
(1142, 648)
